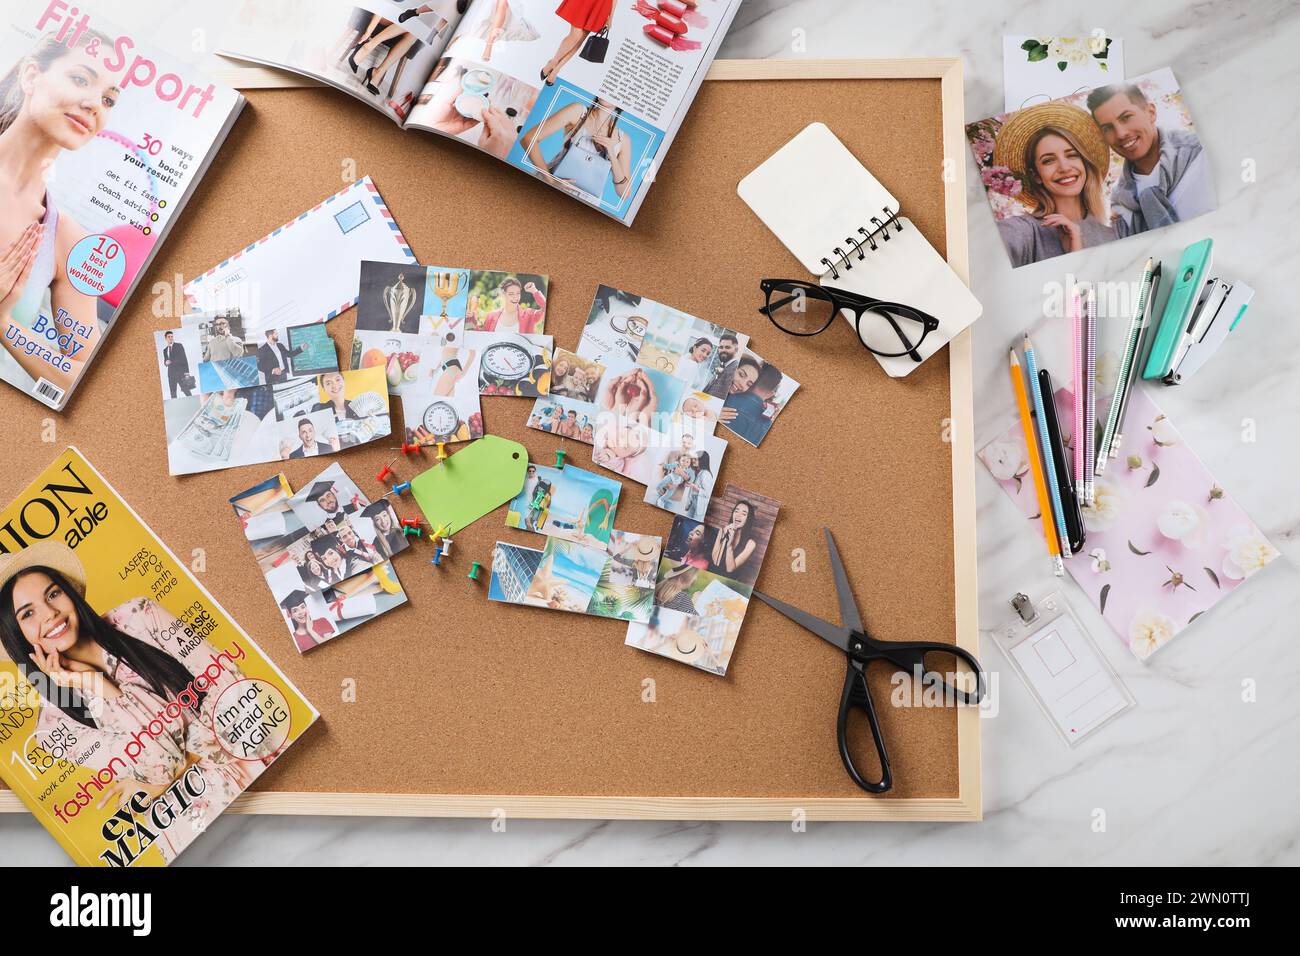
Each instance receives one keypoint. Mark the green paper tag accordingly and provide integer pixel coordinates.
(469, 484)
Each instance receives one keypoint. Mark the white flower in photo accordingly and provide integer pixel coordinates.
(1248, 551)
(1148, 631)
(1005, 459)
(1107, 373)
(1163, 433)
(1099, 562)
(1059, 48)
(1180, 521)
(1106, 509)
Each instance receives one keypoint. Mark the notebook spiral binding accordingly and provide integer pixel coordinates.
(881, 232)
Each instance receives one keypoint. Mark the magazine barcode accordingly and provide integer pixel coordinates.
(48, 391)
(879, 230)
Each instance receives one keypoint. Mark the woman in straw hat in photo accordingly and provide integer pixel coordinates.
(104, 679)
(1060, 158)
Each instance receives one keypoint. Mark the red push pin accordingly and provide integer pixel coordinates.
(409, 449)
(410, 522)
(385, 473)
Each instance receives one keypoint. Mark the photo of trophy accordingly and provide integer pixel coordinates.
(445, 287)
(399, 299)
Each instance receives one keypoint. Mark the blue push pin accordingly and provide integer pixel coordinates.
(437, 558)
(402, 488)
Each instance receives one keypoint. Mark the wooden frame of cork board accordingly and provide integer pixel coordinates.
(467, 709)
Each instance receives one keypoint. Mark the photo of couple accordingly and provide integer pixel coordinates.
(1093, 167)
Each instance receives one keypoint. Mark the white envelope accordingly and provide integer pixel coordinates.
(309, 269)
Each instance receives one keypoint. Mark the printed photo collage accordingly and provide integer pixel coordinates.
(324, 551)
(444, 336)
(234, 396)
(705, 580)
(648, 386)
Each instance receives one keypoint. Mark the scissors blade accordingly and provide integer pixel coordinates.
(849, 616)
(824, 629)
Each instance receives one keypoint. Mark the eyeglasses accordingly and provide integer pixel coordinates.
(888, 329)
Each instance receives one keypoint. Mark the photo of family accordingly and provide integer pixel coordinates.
(1096, 166)
(568, 503)
(512, 363)
(566, 417)
(756, 394)
(684, 474)
(705, 579)
(443, 404)
(323, 553)
(573, 376)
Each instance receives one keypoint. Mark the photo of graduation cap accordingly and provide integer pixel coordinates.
(293, 599)
(318, 490)
(326, 542)
(374, 508)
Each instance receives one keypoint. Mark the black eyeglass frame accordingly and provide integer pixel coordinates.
(858, 305)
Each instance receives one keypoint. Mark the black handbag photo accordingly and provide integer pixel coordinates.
(597, 46)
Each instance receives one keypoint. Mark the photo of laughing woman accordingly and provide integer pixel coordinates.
(103, 679)
(1060, 159)
(56, 98)
(594, 151)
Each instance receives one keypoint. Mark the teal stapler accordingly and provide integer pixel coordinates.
(1200, 312)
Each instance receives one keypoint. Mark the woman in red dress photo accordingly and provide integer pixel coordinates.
(584, 18)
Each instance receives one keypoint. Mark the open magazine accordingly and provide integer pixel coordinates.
(583, 94)
(133, 710)
(109, 139)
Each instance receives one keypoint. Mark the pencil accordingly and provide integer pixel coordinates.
(1045, 513)
(1076, 382)
(1109, 447)
(1089, 395)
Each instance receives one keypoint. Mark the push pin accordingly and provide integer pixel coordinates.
(437, 558)
(559, 457)
(411, 522)
(409, 530)
(442, 531)
(446, 547)
(409, 449)
(385, 473)
(442, 451)
(473, 571)
(402, 488)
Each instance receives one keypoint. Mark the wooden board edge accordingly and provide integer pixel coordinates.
(968, 805)
(962, 435)
(785, 809)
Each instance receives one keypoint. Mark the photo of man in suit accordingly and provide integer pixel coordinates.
(273, 358)
(177, 364)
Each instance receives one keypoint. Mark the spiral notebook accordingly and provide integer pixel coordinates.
(845, 227)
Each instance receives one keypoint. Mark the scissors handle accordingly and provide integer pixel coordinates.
(857, 696)
(909, 656)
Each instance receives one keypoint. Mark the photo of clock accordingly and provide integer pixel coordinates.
(441, 420)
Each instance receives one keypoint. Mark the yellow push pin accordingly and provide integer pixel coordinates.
(441, 454)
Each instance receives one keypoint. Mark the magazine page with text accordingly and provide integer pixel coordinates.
(102, 142)
(379, 51)
(133, 710)
(586, 95)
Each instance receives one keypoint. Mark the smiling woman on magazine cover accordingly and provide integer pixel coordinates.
(55, 98)
(114, 673)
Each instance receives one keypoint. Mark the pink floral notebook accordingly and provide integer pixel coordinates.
(1165, 542)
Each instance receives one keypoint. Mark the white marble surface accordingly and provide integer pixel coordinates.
(1194, 775)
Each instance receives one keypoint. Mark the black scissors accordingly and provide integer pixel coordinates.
(862, 649)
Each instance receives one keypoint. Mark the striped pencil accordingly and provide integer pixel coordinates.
(1089, 397)
(1110, 435)
(1076, 381)
(1045, 440)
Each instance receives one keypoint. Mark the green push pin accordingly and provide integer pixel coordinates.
(473, 570)
(559, 458)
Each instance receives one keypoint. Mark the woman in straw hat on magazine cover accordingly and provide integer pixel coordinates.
(111, 675)
(1057, 153)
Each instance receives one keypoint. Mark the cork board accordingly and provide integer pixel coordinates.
(464, 707)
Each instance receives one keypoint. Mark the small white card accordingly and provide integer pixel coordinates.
(309, 269)
(1037, 69)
